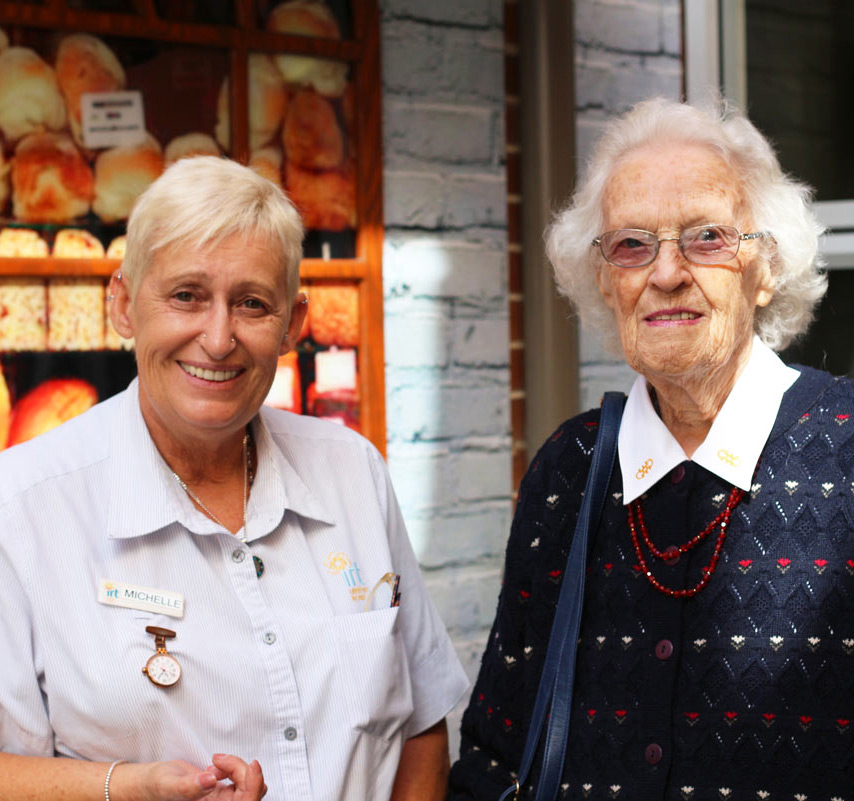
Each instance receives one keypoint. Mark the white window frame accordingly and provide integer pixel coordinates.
(715, 62)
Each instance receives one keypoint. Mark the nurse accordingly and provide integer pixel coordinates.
(202, 597)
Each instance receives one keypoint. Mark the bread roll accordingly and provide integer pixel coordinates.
(50, 404)
(51, 182)
(309, 18)
(326, 200)
(312, 136)
(116, 250)
(122, 174)
(30, 99)
(333, 313)
(85, 64)
(267, 162)
(75, 311)
(75, 243)
(189, 145)
(268, 102)
(21, 243)
(23, 314)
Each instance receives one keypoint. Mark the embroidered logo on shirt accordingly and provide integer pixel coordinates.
(644, 469)
(729, 458)
(339, 564)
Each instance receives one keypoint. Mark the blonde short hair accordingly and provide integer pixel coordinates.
(778, 204)
(201, 201)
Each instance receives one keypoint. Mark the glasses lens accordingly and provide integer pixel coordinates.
(629, 247)
(709, 244)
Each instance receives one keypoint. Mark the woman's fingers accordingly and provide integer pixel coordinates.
(248, 779)
(162, 781)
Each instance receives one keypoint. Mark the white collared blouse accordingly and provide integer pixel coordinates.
(648, 451)
(289, 668)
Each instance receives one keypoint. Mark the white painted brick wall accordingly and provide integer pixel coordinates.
(446, 319)
(626, 50)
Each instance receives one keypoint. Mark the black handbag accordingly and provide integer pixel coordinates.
(558, 676)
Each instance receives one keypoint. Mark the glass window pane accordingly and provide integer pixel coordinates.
(800, 70)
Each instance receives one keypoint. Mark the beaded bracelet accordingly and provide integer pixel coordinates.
(110, 776)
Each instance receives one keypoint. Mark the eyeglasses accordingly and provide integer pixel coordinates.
(700, 244)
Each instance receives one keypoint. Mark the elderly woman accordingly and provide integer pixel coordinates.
(202, 597)
(716, 653)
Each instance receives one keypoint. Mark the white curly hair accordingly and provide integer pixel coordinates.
(778, 204)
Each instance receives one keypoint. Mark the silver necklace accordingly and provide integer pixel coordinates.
(183, 485)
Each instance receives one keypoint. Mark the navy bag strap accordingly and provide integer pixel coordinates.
(558, 675)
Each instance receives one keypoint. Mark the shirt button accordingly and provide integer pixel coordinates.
(269, 637)
(653, 753)
(663, 650)
(290, 733)
(238, 555)
(678, 473)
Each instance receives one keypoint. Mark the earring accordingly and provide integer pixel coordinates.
(119, 276)
(110, 297)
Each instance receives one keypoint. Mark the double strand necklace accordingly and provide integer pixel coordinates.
(247, 480)
(674, 551)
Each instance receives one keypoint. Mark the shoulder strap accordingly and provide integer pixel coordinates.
(558, 675)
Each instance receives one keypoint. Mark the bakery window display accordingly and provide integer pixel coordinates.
(289, 87)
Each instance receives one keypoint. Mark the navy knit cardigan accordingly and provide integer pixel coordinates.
(744, 692)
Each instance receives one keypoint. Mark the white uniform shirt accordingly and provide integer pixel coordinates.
(287, 668)
(731, 449)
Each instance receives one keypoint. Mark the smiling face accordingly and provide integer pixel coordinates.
(680, 321)
(209, 325)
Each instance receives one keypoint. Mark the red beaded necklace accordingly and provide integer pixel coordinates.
(634, 509)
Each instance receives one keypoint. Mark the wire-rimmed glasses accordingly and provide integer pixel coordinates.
(700, 244)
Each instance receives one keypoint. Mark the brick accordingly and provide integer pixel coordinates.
(427, 411)
(484, 475)
(476, 200)
(597, 379)
(440, 268)
(616, 81)
(418, 342)
(466, 597)
(480, 343)
(442, 63)
(625, 26)
(671, 30)
(454, 539)
(446, 12)
(413, 199)
(417, 133)
(421, 479)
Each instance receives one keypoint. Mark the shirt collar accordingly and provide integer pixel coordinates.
(145, 498)
(731, 450)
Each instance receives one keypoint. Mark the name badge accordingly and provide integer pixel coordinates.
(146, 599)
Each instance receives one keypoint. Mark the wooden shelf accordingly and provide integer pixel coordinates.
(310, 270)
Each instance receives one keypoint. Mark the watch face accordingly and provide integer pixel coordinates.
(163, 670)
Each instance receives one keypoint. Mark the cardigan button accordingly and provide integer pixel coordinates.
(664, 649)
(652, 754)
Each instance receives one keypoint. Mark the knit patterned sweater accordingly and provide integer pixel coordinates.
(744, 692)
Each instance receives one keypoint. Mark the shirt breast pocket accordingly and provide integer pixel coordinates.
(373, 671)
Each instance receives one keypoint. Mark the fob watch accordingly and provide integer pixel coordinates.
(162, 668)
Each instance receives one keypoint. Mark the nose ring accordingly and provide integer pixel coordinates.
(233, 341)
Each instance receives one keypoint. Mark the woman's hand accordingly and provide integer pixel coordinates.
(180, 781)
